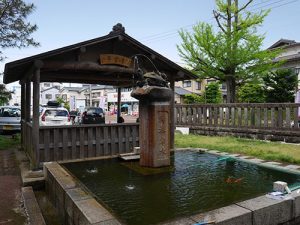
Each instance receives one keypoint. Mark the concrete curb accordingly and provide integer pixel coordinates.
(32, 208)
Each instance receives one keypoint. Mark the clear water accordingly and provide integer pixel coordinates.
(196, 183)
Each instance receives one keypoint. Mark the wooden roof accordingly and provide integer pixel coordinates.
(80, 63)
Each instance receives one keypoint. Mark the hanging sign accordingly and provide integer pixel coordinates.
(113, 59)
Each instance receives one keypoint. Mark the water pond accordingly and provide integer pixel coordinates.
(194, 183)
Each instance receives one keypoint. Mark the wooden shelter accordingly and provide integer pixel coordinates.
(106, 60)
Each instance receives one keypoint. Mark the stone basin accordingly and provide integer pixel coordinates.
(152, 93)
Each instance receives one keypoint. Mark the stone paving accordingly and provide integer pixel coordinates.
(11, 207)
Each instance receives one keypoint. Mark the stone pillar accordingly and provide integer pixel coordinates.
(155, 126)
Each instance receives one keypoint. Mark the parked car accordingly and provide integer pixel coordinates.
(93, 115)
(54, 116)
(10, 118)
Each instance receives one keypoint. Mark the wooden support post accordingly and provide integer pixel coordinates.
(119, 104)
(27, 100)
(35, 118)
(172, 116)
(23, 93)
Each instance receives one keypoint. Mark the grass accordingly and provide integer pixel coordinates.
(275, 151)
(9, 142)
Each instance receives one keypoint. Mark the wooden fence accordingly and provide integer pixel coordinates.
(59, 143)
(240, 117)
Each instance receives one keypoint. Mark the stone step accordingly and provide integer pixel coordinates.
(129, 156)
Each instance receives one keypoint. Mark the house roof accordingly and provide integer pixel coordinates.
(77, 89)
(47, 89)
(283, 43)
(181, 91)
(79, 63)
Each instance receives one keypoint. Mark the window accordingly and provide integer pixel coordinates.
(198, 85)
(223, 86)
(48, 96)
(10, 112)
(187, 83)
(47, 84)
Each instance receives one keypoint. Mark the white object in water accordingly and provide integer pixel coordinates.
(130, 187)
(94, 170)
(183, 130)
(280, 186)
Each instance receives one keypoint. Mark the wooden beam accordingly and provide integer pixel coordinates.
(83, 76)
(86, 66)
(37, 64)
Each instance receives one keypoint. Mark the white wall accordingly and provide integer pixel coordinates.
(53, 92)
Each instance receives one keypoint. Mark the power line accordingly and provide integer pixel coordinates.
(274, 3)
(260, 3)
(167, 32)
(174, 32)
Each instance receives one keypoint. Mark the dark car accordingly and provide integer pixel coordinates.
(93, 115)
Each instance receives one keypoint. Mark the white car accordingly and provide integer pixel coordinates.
(10, 118)
(54, 116)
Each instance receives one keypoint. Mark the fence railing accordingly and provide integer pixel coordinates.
(242, 115)
(59, 143)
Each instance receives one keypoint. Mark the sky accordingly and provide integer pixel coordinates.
(155, 23)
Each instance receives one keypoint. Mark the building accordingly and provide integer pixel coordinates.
(129, 105)
(290, 54)
(49, 94)
(96, 95)
(198, 87)
(179, 94)
(75, 96)
(193, 86)
(16, 95)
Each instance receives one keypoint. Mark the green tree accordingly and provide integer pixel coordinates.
(5, 95)
(251, 93)
(280, 85)
(15, 31)
(213, 93)
(232, 54)
(192, 98)
(63, 103)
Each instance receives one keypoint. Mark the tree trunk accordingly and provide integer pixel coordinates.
(230, 84)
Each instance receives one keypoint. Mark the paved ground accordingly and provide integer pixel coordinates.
(11, 210)
(113, 118)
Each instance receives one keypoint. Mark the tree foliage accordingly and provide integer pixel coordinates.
(5, 95)
(213, 93)
(251, 93)
(15, 31)
(192, 98)
(280, 85)
(232, 53)
(63, 103)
